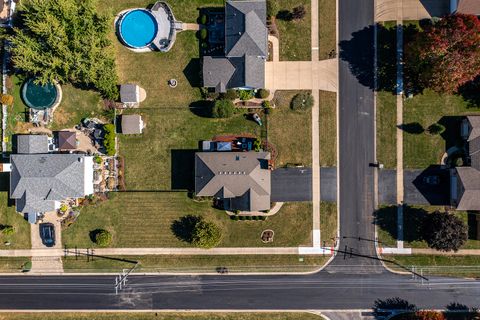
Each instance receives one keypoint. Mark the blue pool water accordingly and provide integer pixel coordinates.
(138, 28)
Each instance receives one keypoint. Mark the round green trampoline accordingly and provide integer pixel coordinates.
(39, 97)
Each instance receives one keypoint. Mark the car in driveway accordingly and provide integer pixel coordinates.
(47, 234)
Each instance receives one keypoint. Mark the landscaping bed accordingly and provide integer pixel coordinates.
(203, 263)
(145, 219)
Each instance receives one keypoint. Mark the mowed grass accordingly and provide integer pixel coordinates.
(327, 28)
(162, 157)
(422, 150)
(460, 266)
(328, 128)
(12, 264)
(295, 36)
(203, 263)
(144, 219)
(159, 316)
(290, 131)
(328, 223)
(386, 129)
(8, 216)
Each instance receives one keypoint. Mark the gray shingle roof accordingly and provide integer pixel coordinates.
(470, 180)
(242, 177)
(29, 143)
(245, 48)
(37, 180)
(469, 7)
(129, 93)
(132, 124)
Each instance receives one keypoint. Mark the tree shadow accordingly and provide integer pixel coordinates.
(412, 128)
(4, 182)
(395, 303)
(386, 219)
(456, 306)
(470, 92)
(202, 108)
(436, 8)
(413, 219)
(183, 169)
(183, 227)
(193, 72)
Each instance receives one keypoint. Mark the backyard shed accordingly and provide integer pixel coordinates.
(132, 124)
(131, 94)
(67, 140)
(31, 143)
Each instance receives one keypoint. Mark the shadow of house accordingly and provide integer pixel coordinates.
(202, 108)
(471, 93)
(183, 169)
(419, 188)
(436, 8)
(452, 134)
(193, 72)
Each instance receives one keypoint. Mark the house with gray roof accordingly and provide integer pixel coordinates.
(465, 181)
(40, 181)
(241, 180)
(245, 48)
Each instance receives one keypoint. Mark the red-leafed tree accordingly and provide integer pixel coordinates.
(446, 54)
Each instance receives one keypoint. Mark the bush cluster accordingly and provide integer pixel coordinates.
(203, 19)
(435, 129)
(302, 101)
(6, 99)
(223, 109)
(263, 93)
(231, 94)
(109, 139)
(242, 218)
(246, 94)
(7, 230)
(203, 34)
(103, 238)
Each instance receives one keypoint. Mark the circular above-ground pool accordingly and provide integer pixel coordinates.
(138, 28)
(39, 97)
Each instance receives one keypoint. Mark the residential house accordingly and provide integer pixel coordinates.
(39, 181)
(465, 7)
(465, 181)
(245, 48)
(240, 179)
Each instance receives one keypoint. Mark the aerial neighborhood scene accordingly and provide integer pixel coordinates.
(240, 159)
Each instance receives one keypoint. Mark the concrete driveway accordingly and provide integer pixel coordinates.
(302, 75)
(388, 10)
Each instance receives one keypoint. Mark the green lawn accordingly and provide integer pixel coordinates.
(422, 149)
(295, 36)
(188, 264)
(327, 28)
(386, 129)
(12, 264)
(328, 128)
(413, 216)
(328, 223)
(461, 266)
(144, 219)
(159, 316)
(8, 216)
(290, 131)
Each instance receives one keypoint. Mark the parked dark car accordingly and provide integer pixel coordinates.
(47, 233)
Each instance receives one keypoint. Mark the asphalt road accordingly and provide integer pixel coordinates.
(324, 290)
(357, 134)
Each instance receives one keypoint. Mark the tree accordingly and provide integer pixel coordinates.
(203, 34)
(223, 109)
(446, 55)
(302, 101)
(298, 13)
(272, 8)
(206, 234)
(109, 139)
(444, 231)
(65, 41)
(103, 238)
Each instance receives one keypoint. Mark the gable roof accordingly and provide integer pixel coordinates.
(470, 179)
(243, 177)
(67, 140)
(38, 180)
(32, 143)
(245, 28)
(469, 7)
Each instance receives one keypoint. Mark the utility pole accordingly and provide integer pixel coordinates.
(121, 279)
